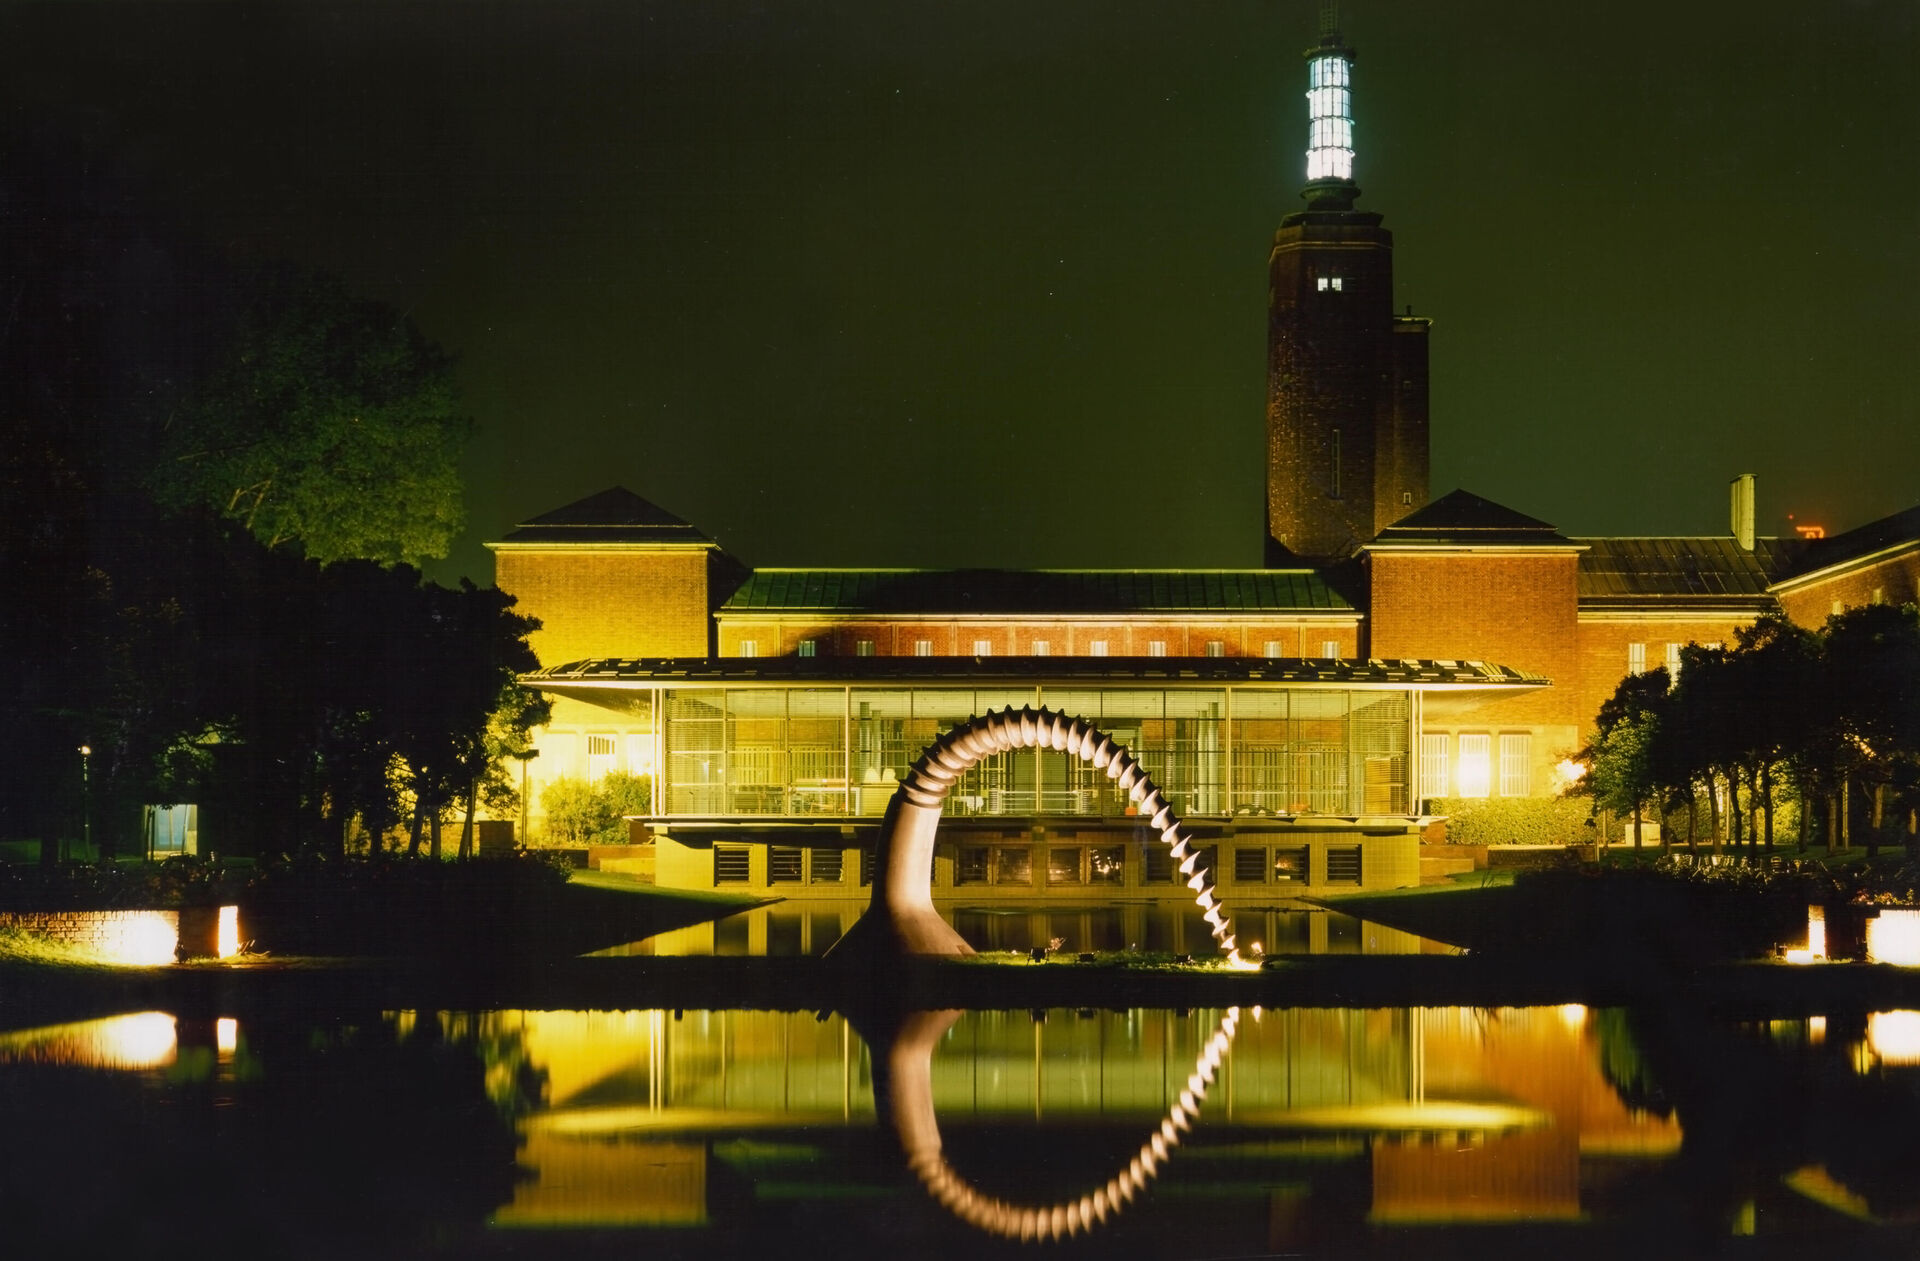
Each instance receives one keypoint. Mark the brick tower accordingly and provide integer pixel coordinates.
(1346, 378)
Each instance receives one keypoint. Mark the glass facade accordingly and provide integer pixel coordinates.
(840, 751)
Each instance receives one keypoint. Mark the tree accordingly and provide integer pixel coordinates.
(1621, 760)
(594, 812)
(329, 423)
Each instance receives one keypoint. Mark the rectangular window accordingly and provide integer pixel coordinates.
(599, 746)
(1516, 765)
(824, 866)
(1273, 648)
(1216, 648)
(809, 648)
(1636, 658)
(1041, 648)
(784, 863)
(1156, 647)
(1156, 864)
(983, 647)
(749, 648)
(1250, 866)
(863, 648)
(1013, 866)
(1106, 865)
(971, 865)
(1433, 765)
(1098, 648)
(731, 864)
(923, 647)
(1333, 478)
(1330, 649)
(1343, 864)
(1063, 866)
(1673, 661)
(1290, 865)
(1476, 766)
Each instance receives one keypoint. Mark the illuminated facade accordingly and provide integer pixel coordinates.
(1308, 718)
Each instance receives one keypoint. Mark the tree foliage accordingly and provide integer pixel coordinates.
(329, 422)
(594, 812)
(1814, 712)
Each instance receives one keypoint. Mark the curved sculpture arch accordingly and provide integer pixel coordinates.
(904, 1075)
(900, 919)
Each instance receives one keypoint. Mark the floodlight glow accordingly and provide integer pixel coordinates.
(1816, 932)
(1330, 117)
(227, 941)
(1893, 936)
(1476, 771)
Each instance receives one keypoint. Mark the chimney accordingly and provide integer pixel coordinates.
(1743, 511)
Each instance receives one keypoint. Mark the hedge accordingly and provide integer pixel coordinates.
(1516, 820)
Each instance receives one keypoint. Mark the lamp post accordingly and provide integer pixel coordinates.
(524, 757)
(86, 799)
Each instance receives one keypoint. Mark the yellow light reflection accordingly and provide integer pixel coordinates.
(1816, 1029)
(1893, 936)
(140, 1040)
(226, 1036)
(1894, 1036)
(1798, 955)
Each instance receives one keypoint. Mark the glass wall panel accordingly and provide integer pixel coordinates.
(1380, 731)
(816, 739)
(696, 752)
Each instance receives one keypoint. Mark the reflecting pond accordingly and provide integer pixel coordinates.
(809, 928)
(1323, 1132)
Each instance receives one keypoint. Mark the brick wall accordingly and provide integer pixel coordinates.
(1513, 610)
(148, 937)
(1895, 579)
(631, 603)
(1603, 650)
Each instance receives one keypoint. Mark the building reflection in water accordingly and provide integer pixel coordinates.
(1462, 1114)
(796, 929)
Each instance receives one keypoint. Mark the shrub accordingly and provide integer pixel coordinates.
(593, 812)
(1516, 820)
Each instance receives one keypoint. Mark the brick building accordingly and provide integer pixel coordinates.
(1304, 717)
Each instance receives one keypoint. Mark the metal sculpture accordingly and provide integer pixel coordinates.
(900, 919)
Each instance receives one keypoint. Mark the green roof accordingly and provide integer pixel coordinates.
(1035, 592)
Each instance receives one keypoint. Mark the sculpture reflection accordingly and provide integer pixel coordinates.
(903, 1085)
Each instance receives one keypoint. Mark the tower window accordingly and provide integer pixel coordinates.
(1328, 284)
(1333, 476)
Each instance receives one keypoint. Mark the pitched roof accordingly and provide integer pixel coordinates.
(1681, 573)
(615, 515)
(1856, 544)
(1047, 591)
(1464, 519)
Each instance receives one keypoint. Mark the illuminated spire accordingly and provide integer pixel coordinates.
(1330, 183)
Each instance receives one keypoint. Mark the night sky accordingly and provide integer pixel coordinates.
(932, 282)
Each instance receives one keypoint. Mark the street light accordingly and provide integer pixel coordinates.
(520, 841)
(86, 800)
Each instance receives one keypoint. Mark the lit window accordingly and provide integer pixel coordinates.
(923, 647)
(749, 648)
(1839, 607)
(1216, 648)
(1041, 648)
(1098, 648)
(1433, 765)
(809, 648)
(983, 647)
(1406, 499)
(1673, 661)
(1636, 658)
(1333, 475)
(1516, 765)
(1330, 648)
(863, 648)
(1476, 769)
(1156, 647)
(1879, 596)
(1328, 284)
(1273, 648)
